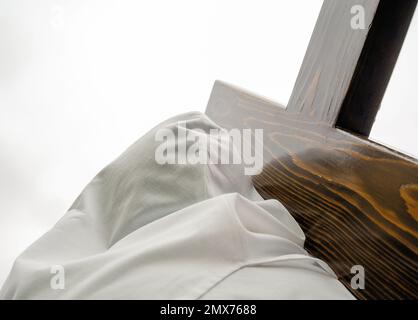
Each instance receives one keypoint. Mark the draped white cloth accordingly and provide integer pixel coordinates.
(141, 230)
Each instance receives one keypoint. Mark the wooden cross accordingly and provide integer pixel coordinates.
(357, 201)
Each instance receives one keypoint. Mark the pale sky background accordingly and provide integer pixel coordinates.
(81, 80)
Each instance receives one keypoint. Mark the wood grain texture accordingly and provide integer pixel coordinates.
(331, 60)
(356, 201)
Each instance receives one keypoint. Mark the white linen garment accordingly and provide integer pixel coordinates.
(141, 230)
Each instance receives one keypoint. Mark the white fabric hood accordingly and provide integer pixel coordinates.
(141, 230)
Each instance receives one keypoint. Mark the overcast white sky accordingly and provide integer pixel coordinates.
(81, 80)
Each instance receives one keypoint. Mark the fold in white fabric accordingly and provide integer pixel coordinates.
(141, 230)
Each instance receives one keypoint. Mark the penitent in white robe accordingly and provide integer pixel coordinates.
(141, 230)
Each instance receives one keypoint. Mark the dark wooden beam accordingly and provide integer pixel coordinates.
(330, 60)
(356, 201)
(375, 66)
